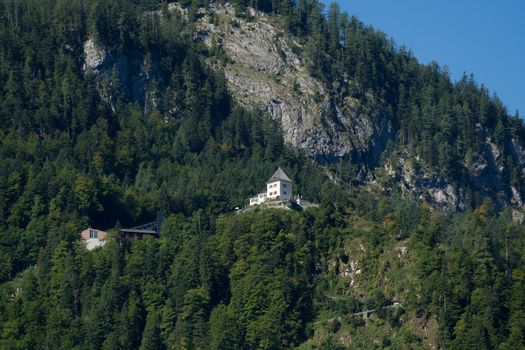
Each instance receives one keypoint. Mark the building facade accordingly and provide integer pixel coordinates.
(278, 188)
(93, 238)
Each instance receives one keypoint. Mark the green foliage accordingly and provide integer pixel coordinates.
(77, 149)
(68, 153)
(272, 279)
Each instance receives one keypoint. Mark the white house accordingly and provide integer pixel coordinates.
(278, 187)
(258, 199)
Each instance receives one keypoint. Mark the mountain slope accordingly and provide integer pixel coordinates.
(113, 109)
(342, 102)
(334, 117)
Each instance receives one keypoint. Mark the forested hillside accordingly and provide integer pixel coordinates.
(149, 122)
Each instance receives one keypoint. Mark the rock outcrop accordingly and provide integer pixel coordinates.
(118, 73)
(265, 69)
(412, 175)
(485, 173)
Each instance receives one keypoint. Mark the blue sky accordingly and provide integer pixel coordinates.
(482, 37)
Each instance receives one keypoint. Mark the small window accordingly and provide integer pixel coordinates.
(284, 192)
(93, 233)
(284, 185)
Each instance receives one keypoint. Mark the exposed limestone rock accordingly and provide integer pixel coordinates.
(403, 250)
(516, 198)
(133, 74)
(495, 152)
(415, 176)
(518, 151)
(347, 268)
(94, 56)
(486, 171)
(517, 216)
(443, 196)
(267, 70)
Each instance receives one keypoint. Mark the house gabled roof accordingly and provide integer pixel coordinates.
(279, 175)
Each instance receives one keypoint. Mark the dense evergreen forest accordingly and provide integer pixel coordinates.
(71, 156)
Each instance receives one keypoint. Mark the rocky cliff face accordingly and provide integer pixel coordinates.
(265, 69)
(117, 71)
(484, 172)
(412, 175)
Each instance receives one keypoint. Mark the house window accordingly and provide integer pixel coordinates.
(284, 185)
(284, 192)
(93, 233)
